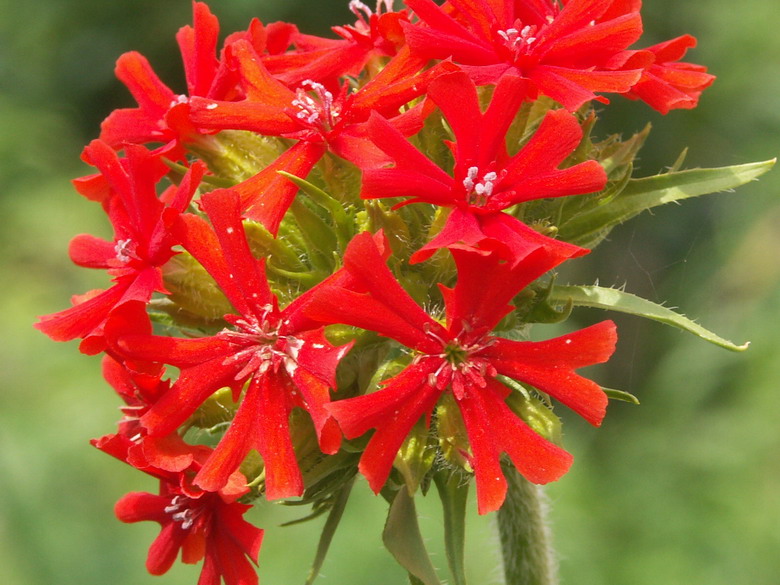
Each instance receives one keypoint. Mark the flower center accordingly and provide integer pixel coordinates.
(125, 251)
(478, 192)
(364, 13)
(262, 348)
(316, 112)
(183, 512)
(519, 40)
(461, 367)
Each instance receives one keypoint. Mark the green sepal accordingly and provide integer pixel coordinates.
(534, 306)
(594, 222)
(237, 155)
(536, 413)
(415, 457)
(379, 216)
(621, 395)
(451, 430)
(623, 302)
(319, 236)
(193, 289)
(453, 488)
(343, 223)
(215, 411)
(263, 244)
(618, 155)
(329, 530)
(401, 536)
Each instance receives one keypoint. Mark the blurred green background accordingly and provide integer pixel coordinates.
(682, 489)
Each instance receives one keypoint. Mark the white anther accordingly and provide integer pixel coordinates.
(123, 251)
(359, 9)
(468, 182)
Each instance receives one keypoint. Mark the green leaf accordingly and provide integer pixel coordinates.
(402, 538)
(453, 491)
(592, 225)
(618, 300)
(334, 517)
(620, 395)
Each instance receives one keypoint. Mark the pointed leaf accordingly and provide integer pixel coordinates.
(590, 227)
(334, 517)
(453, 491)
(617, 300)
(402, 538)
(621, 395)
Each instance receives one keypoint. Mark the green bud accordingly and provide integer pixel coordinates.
(237, 155)
(194, 291)
(218, 409)
(537, 414)
(451, 430)
(416, 457)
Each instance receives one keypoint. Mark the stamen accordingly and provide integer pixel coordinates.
(518, 40)
(386, 4)
(427, 330)
(468, 182)
(478, 193)
(261, 347)
(360, 10)
(311, 111)
(124, 250)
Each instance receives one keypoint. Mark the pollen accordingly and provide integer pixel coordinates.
(479, 192)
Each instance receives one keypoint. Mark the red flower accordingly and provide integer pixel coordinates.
(668, 83)
(462, 357)
(141, 244)
(162, 115)
(204, 528)
(562, 51)
(314, 116)
(486, 179)
(202, 525)
(374, 35)
(281, 356)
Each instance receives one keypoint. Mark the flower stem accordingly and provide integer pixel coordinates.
(526, 546)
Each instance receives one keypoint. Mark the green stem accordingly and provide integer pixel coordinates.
(525, 536)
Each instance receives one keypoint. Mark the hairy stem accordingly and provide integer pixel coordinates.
(526, 545)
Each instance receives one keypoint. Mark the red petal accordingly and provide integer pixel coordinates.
(137, 74)
(198, 46)
(486, 451)
(91, 252)
(486, 285)
(267, 196)
(406, 156)
(283, 478)
(82, 319)
(365, 262)
(241, 436)
(247, 276)
(393, 411)
(537, 459)
(549, 366)
(194, 386)
(164, 549)
(340, 305)
(142, 506)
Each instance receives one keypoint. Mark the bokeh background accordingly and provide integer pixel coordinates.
(684, 489)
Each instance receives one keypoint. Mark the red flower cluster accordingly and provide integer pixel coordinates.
(277, 274)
